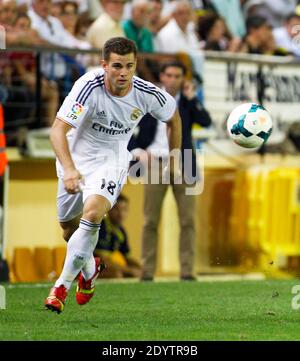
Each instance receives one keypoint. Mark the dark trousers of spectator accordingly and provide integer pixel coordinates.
(153, 198)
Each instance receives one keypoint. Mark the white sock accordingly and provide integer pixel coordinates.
(79, 251)
(89, 268)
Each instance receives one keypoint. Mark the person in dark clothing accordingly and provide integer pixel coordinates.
(113, 246)
(259, 38)
(152, 137)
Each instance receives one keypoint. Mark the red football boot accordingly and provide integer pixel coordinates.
(56, 299)
(86, 289)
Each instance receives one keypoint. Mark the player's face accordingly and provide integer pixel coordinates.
(172, 79)
(119, 71)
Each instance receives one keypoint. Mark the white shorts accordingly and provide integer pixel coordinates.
(105, 181)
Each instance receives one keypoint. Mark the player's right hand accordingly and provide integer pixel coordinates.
(72, 179)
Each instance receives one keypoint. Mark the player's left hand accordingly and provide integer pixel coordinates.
(73, 181)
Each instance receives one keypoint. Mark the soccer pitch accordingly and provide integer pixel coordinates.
(235, 310)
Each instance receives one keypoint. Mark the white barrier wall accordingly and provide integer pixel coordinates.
(228, 83)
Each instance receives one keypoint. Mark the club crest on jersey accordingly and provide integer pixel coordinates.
(135, 114)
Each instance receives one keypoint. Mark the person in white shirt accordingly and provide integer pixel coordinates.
(108, 24)
(52, 30)
(287, 36)
(179, 36)
(275, 12)
(90, 136)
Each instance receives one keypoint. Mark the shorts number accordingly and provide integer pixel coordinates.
(111, 186)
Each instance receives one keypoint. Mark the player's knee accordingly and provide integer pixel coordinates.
(92, 215)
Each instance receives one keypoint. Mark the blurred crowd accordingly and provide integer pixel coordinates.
(259, 26)
(156, 26)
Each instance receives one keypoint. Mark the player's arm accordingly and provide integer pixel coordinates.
(174, 131)
(58, 137)
(175, 137)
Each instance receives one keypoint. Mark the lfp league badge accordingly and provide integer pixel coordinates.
(77, 108)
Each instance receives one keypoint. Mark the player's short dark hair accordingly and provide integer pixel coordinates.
(120, 46)
(122, 198)
(173, 64)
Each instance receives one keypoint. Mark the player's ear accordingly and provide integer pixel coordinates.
(104, 64)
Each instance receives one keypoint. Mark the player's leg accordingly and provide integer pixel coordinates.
(69, 210)
(83, 241)
(98, 200)
(80, 252)
(69, 207)
(186, 213)
(69, 227)
(104, 196)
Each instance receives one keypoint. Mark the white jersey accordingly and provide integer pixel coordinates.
(103, 123)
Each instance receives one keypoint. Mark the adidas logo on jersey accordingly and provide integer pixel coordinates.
(101, 114)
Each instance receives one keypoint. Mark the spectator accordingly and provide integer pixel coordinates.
(179, 34)
(82, 26)
(113, 246)
(24, 74)
(213, 33)
(259, 38)
(285, 35)
(94, 9)
(136, 27)
(8, 13)
(275, 12)
(69, 18)
(50, 28)
(56, 66)
(69, 15)
(56, 9)
(152, 136)
(156, 20)
(108, 24)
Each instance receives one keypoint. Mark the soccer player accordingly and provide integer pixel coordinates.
(90, 136)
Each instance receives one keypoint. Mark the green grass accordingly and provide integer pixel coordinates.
(239, 310)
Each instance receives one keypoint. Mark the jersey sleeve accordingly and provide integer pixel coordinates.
(163, 106)
(76, 105)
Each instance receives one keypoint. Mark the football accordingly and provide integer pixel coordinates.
(249, 125)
